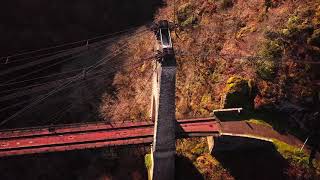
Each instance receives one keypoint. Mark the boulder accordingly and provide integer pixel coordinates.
(239, 92)
(314, 40)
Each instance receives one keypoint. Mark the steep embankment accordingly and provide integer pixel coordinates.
(216, 39)
(227, 47)
(265, 42)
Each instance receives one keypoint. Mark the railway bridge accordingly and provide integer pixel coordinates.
(95, 135)
(161, 130)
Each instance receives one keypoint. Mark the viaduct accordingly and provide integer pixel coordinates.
(162, 131)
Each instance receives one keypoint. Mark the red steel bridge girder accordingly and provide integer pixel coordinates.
(94, 135)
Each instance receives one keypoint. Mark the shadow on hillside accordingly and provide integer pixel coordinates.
(250, 159)
(37, 24)
(186, 170)
(278, 121)
(58, 23)
(76, 165)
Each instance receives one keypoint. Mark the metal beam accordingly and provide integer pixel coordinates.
(93, 135)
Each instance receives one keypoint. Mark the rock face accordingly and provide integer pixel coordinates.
(239, 92)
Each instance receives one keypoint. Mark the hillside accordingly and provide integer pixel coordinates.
(264, 43)
(225, 47)
(262, 55)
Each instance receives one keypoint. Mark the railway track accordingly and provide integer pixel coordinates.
(94, 135)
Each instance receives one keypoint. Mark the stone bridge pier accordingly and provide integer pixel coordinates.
(163, 114)
(163, 108)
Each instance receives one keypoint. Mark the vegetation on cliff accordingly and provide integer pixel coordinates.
(250, 51)
(264, 42)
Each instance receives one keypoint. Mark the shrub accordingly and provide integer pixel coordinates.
(225, 4)
(239, 93)
(293, 21)
(206, 101)
(190, 21)
(244, 31)
(266, 69)
(314, 40)
(296, 29)
(271, 50)
(291, 153)
(148, 161)
(186, 16)
(262, 16)
(236, 83)
(199, 149)
(268, 4)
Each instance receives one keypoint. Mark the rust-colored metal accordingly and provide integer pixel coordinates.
(93, 135)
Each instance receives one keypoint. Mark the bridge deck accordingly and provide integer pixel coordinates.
(93, 135)
(256, 131)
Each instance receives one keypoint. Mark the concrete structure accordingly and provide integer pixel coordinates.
(210, 141)
(163, 114)
(163, 111)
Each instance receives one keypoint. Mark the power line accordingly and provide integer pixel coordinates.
(110, 40)
(13, 105)
(118, 50)
(35, 57)
(47, 59)
(23, 102)
(41, 69)
(80, 83)
(90, 68)
(60, 113)
(42, 77)
(80, 50)
(44, 60)
(40, 99)
(44, 85)
(68, 44)
(54, 64)
(39, 88)
(77, 83)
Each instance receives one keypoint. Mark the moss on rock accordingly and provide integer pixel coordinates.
(199, 149)
(148, 161)
(266, 69)
(314, 40)
(271, 50)
(239, 92)
(291, 153)
(186, 15)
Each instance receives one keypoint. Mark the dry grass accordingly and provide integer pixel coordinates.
(132, 96)
(213, 44)
(221, 43)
